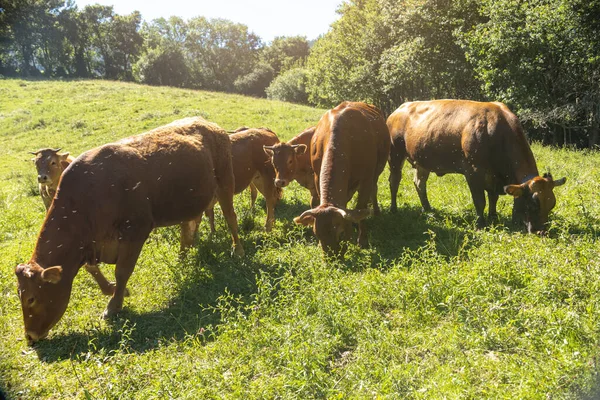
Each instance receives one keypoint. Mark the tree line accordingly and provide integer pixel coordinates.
(540, 57)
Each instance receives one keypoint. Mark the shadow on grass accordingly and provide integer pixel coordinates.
(202, 280)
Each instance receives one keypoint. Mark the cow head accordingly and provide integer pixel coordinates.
(44, 296)
(50, 165)
(331, 225)
(285, 161)
(534, 200)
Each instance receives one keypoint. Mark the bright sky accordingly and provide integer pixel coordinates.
(266, 18)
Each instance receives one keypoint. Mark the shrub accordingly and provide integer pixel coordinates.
(256, 82)
(289, 86)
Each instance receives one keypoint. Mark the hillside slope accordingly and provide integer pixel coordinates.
(434, 309)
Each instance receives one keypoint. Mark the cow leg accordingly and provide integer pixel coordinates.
(421, 185)
(266, 186)
(188, 229)
(362, 202)
(210, 214)
(253, 195)
(225, 198)
(478, 194)
(396, 163)
(376, 210)
(107, 288)
(314, 198)
(128, 255)
(493, 198)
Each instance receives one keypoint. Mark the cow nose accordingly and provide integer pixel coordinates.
(281, 183)
(33, 337)
(42, 178)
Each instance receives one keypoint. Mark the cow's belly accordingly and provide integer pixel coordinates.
(440, 156)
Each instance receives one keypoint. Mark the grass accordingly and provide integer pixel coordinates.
(434, 309)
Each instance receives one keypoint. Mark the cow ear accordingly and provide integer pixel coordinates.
(268, 150)
(560, 182)
(307, 218)
(63, 156)
(357, 215)
(300, 149)
(52, 274)
(514, 190)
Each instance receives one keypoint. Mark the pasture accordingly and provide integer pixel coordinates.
(434, 309)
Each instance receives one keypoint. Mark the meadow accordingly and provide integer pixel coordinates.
(433, 309)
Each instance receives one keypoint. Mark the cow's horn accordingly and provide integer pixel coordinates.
(57, 150)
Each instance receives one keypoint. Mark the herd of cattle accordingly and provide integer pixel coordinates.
(102, 206)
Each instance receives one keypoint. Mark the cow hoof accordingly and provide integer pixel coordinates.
(394, 209)
(238, 251)
(107, 314)
(480, 223)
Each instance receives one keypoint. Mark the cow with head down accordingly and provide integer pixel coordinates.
(291, 161)
(348, 152)
(50, 165)
(108, 201)
(482, 141)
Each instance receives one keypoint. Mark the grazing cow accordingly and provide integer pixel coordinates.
(348, 151)
(291, 160)
(251, 167)
(50, 166)
(109, 200)
(482, 141)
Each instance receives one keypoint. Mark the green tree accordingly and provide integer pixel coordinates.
(289, 86)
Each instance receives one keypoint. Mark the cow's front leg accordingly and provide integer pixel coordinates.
(492, 213)
(421, 185)
(107, 288)
(128, 255)
(478, 195)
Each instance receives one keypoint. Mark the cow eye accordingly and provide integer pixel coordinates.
(53, 163)
(30, 301)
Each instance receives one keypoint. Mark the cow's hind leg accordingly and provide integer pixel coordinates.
(421, 185)
(107, 288)
(396, 162)
(253, 195)
(188, 231)
(225, 198)
(493, 198)
(476, 185)
(210, 214)
(128, 255)
(266, 186)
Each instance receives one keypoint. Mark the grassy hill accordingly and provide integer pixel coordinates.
(434, 309)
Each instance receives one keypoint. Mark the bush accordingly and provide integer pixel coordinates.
(256, 82)
(289, 86)
(162, 66)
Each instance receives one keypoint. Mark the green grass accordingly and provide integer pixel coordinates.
(434, 309)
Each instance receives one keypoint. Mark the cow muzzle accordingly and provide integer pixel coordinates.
(43, 179)
(33, 337)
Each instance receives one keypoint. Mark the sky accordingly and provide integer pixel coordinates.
(266, 18)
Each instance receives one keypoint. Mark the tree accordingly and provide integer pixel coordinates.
(289, 86)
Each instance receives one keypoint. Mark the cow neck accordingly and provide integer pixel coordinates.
(60, 240)
(333, 179)
(525, 165)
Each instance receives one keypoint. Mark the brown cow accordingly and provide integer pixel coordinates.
(482, 141)
(109, 200)
(291, 160)
(348, 152)
(50, 166)
(251, 167)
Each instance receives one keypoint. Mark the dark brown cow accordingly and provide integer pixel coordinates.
(291, 160)
(482, 141)
(109, 200)
(251, 167)
(348, 152)
(50, 166)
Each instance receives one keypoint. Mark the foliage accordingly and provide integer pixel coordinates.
(256, 82)
(435, 309)
(289, 86)
(284, 53)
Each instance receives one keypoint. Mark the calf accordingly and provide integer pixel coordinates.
(348, 152)
(482, 141)
(50, 166)
(291, 160)
(109, 200)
